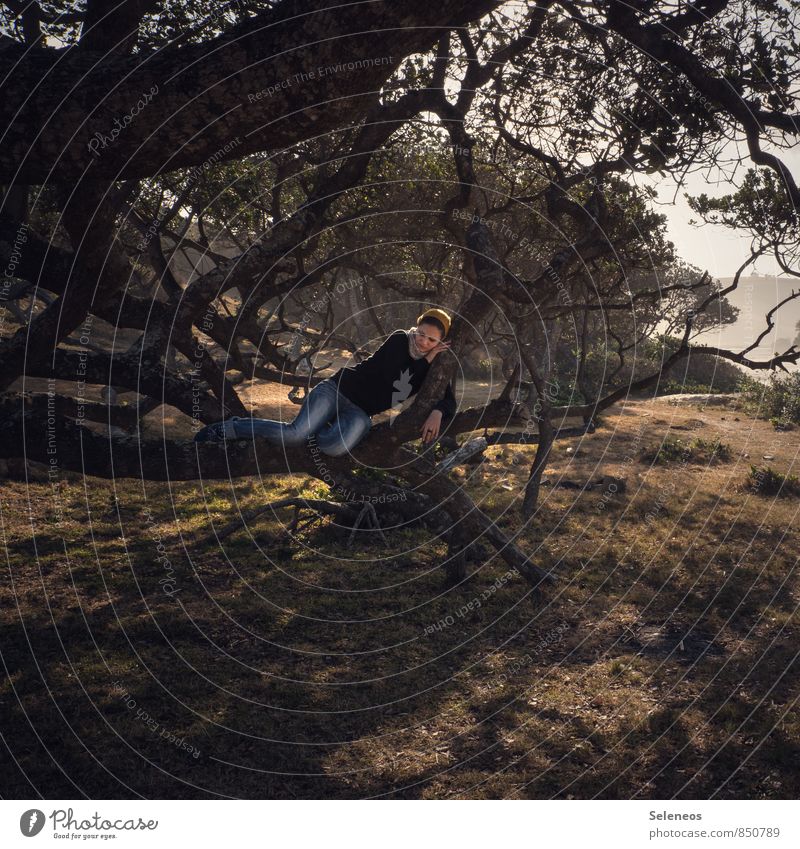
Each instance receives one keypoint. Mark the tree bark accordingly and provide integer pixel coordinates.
(546, 437)
(278, 78)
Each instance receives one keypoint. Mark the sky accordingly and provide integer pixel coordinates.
(718, 250)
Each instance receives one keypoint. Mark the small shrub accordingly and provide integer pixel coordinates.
(675, 387)
(712, 449)
(764, 480)
(779, 399)
(671, 449)
(698, 451)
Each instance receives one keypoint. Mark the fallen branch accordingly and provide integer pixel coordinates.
(333, 508)
(452, 498)
(367, 513)
(467, 450)
(506, 438)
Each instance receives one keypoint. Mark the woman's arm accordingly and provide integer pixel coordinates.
(447, 405)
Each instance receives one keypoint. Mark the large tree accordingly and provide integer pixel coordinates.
(486, 149)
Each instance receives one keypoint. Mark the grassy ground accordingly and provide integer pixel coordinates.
(139, 663)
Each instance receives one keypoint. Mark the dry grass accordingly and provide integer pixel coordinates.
(662, 665)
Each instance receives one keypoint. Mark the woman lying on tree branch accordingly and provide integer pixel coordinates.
(339, 410)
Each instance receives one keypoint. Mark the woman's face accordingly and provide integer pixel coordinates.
(427, 337)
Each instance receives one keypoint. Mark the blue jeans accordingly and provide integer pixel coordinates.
(338, 423)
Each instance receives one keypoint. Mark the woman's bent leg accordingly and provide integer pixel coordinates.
(318, 408)
(344, 432)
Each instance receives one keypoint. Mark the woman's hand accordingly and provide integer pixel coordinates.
(442, 346)
(430, 428)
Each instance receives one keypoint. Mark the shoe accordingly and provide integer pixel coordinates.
(210, 433)
(217, 432)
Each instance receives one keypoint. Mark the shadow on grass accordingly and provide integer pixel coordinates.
(311, 671)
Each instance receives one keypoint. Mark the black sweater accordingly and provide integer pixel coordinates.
(389, 377)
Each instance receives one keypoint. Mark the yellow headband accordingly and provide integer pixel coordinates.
(440, 315)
